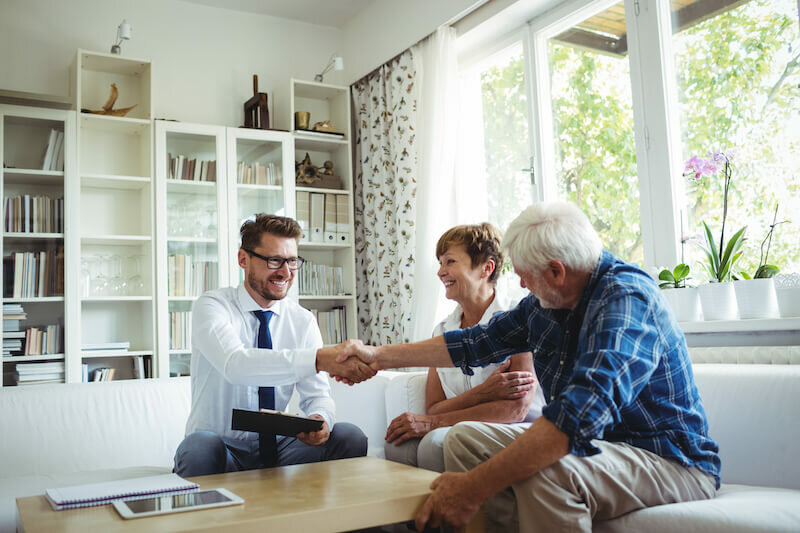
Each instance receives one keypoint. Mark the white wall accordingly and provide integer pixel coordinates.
(387, 27)
(203, 58)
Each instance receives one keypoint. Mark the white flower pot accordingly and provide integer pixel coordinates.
(788, 301)
(685, 303)
(718, 301)
(756, 298)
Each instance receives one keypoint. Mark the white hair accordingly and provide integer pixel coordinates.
(557, 231)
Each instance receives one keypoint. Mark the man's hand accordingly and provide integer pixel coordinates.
(502, 385)
(339, 362)
(453, 501)
(409, 426)
(315, 438)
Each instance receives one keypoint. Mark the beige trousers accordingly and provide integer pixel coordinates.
(568, 495)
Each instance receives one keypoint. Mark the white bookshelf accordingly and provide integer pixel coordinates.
(25, 133)
(265, 147)
(328, 102)
(112, 222)
(191, 221)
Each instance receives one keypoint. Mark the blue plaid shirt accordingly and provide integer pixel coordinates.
(615, 368)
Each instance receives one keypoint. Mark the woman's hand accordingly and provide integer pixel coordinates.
(408, 426)
(504, 385)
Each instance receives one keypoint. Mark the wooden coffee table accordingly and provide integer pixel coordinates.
(321, 497)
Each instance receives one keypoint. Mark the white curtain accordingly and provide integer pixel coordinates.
(438, 205)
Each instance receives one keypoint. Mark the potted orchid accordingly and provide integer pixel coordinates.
(755, 295)
(718, 297)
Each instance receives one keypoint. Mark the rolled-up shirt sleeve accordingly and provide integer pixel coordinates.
(221, 345)
(614, 362)
(505, 334)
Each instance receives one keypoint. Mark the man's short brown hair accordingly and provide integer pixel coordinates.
(481, 242)
(253, 229)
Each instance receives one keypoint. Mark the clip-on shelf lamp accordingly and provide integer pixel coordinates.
(123, 34)
(334, 63)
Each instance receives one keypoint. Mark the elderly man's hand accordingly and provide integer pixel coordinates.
(341, 362)
(452, 501)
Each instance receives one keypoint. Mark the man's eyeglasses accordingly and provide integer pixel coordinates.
(274, 263)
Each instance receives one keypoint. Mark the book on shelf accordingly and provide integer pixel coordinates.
(343, 218)
(103, 374)
(34, 274)
(303, 214)
(106, 348)
(316, 218)
(181, 167)
(138, 367)
(38, 373)
(106, 492)
(53, 158)
(329, 224)
(33, 214)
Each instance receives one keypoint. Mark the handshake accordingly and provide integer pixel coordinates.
(349, 362)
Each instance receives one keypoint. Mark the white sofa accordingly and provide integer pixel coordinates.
(56, 435)
(754, 415)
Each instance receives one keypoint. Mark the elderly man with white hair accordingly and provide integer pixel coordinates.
(624, 427)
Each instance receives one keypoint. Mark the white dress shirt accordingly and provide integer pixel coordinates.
(227, 368)
(455, 382)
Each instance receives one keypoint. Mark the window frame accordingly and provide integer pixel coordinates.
(656, 136)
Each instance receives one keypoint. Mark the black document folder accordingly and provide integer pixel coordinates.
(266, 421)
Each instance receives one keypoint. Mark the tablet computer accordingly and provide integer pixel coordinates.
(176, 503)
(275, 422)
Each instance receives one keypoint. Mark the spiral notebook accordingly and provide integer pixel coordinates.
(123, 489)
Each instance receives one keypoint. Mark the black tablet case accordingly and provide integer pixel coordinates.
(273, 422)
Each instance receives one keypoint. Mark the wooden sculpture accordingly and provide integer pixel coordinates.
(108, 107)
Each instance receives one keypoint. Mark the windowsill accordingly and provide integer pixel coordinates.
(742, 325)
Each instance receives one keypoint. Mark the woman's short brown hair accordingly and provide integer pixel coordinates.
(253, 229)
(481, 242)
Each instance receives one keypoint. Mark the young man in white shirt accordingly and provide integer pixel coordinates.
(251, 346)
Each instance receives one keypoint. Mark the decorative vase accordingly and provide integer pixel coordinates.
(685, 303)
(787, 291)
(756, 298)
(718, 301)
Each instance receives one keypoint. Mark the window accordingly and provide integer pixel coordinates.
(592, 115)
(739, 88)
(498, 142)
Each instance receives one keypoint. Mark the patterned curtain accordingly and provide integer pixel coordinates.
(385, 113)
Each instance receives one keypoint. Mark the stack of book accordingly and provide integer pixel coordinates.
(258, 173)
(44, 340)
(180, 326)
(183, 168)
(321, 280)
(53, 158)
(105, 348)
(34, 214)
(187, 277)
(332, 325)
(12, 335)
(34, 274)
(38, 373)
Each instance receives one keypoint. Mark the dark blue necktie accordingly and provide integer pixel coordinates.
(267, 446)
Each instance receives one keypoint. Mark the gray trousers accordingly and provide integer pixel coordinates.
(204, 452)
(570, 494)
(427, 452)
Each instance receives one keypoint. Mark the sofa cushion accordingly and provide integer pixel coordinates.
(753, 413)
(737, 508)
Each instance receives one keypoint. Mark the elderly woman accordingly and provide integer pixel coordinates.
(470, 260)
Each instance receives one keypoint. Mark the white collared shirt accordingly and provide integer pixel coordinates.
(227, 368)
(455, 382)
